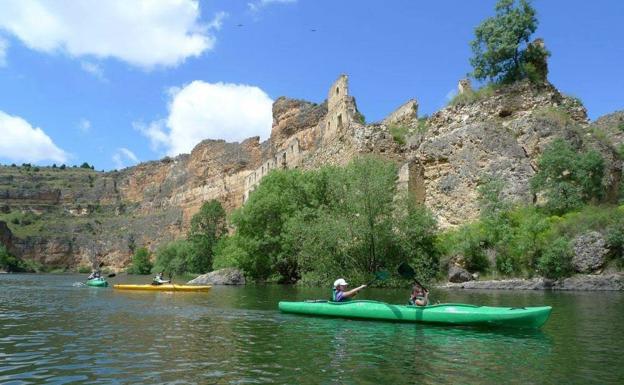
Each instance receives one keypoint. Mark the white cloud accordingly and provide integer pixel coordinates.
(203, 110)
(84, 126)
(257, 5)
(122, 156)
(21, 142)
(144, 33)
(4, 46)
(94, 69)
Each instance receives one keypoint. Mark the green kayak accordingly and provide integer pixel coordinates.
(97, 282)
(448, 313)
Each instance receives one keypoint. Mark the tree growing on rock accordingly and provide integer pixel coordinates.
(207, 227)
(501, 48)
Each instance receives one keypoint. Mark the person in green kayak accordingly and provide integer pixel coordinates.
(340, 292)
(158, 279)
(95, 274)
(420, 296)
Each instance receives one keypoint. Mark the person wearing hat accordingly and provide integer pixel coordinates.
(340, 293)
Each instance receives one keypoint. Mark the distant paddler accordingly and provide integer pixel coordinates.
(158, 279)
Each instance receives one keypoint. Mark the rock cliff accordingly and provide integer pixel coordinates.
(72, 217)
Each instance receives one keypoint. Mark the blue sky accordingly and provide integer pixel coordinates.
(116, 82)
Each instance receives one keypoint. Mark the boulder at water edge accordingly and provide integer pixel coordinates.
(227, 276)
(590, 252)
(458, 274)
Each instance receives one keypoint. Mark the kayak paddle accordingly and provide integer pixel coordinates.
(379, 276)
(111, 275)
(407, 272)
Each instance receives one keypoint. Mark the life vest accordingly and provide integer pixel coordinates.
(334, 293)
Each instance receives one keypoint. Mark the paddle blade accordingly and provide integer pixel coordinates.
(382, 275)
(406, 271)
(111, 275)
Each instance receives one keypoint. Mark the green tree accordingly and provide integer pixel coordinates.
(415, 239)
(556, 259)
(8, 262)
(260, 222)
(141, 262)
(173, 257)
(500, 45)
(207, 227)
(568, 178)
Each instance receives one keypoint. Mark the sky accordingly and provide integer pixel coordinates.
(117, 82)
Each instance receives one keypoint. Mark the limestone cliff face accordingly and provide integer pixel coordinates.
(499, 136)
(77, 217)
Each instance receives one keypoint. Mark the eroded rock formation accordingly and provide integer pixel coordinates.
(82, 217)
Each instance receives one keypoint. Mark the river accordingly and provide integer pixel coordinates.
(52, 332)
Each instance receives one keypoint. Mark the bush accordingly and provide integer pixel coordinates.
(173, 257)
(556, 259)
(84, 269)
(8, 262)
(359, 117)
(141, 263)
(399, 133)
(470, 97)
(568, 178)
(229, 253)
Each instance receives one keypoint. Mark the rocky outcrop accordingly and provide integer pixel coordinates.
(606, 282)
(612, 126)
(457, 274)
(227, 276)
(590, 252)
(6, 237)
(498, 133)
(293, 117)
(405, 114)
(81, 217)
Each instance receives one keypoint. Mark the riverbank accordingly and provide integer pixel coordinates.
(582, 282)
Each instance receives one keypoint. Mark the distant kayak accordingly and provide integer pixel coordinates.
(449, 313)
(97, 282)
(163, 287)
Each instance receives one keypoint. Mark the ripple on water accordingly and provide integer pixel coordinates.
(69, 334)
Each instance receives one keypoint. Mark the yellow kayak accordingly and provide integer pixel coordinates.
(163, 287)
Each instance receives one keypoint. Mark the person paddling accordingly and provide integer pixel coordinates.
(95, 274)
(420, 296)
(340, 292)
(158, 279)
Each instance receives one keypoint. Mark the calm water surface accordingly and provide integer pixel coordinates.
(54, 333)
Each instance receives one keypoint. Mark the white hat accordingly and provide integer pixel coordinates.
(340, 282)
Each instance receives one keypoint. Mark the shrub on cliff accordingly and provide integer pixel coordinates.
(8, 262)
(568, 178)
(140, 262)
(501, 49)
